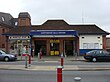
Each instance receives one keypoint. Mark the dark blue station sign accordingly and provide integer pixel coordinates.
(53, 32)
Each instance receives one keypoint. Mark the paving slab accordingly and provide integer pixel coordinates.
(52, 68)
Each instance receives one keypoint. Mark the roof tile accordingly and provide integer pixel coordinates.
(59, 25)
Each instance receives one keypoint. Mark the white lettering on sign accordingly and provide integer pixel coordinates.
(53, 33)
(46, 32)
(19, 37)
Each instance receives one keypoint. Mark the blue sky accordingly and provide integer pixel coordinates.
(72, 11)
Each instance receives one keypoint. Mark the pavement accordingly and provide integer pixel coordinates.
(52, 68)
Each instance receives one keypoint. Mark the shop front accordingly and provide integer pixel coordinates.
(17, 43)
(55, 42)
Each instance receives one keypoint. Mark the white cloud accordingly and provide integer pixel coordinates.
(94, 11)
(11, 6)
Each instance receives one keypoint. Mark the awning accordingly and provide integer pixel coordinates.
(54, 33)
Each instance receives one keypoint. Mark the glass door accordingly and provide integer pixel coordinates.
(40, 45)
(54, 47)
(69, 47)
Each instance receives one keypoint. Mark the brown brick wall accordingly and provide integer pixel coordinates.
(3, 38)
(108, 43)
(104, 42)
(24, 22)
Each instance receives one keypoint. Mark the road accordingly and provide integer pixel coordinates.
(50, 76)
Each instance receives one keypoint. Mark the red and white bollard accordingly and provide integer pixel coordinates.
(29, 61)
(62, 60)
(59, 74)
(40, 55)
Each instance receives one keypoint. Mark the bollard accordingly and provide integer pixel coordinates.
(38, 56)
(62, 60)
(26, 61)
(59, 74)
(29, 62)
(21, 56)
(77, 79)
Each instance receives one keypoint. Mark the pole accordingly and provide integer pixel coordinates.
(30, 51)
(62, 60)
(59, 74)
(29, 62)
(26, 62)
(38, 56)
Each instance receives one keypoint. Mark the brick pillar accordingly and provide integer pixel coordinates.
(104, 42)
(61, 46)
(48, 46)
(77, 45)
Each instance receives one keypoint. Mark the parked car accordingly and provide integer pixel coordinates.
(7, 57)
(97, 55)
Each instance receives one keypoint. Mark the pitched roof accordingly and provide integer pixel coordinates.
(24, 15)
(55, 23)
(19, 31)
(5, 18)
(88, 29)
(59, 25)
(5, 25)
(62, 25)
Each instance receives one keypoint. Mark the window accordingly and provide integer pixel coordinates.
(98, 52)
(16, 23)
(105, 53)
(85, 45)
(3, 19)
(90, 45)
(96, 45)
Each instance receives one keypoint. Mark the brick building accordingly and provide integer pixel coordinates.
(53, 37)
(108, 44)
(5, 26)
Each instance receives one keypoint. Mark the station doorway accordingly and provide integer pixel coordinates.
(69, 47)
(40, 45)
(54, 47)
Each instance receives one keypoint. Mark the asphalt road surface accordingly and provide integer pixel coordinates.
(50, 76)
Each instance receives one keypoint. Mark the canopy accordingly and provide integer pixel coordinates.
(54, 33)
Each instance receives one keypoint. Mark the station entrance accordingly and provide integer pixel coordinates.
(40, 45)
(54, 47)
(55, 42)
(69, 47)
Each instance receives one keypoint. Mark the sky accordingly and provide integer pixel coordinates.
(72, 11)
